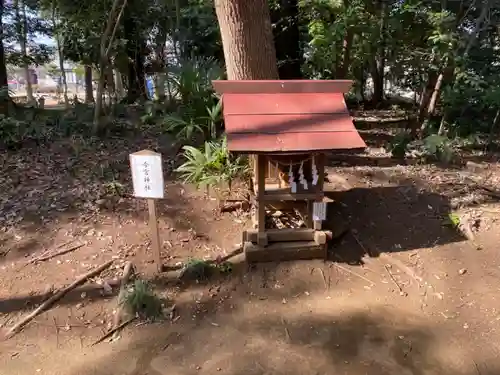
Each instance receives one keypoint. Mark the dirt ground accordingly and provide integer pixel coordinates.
(403, 293)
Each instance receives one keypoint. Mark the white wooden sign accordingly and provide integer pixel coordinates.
(319, 211)
(147, 174)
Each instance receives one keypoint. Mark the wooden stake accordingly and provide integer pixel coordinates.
(155, 234)
(56, 297)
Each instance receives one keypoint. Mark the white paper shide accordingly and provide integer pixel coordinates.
(319, 211)
(147, 174)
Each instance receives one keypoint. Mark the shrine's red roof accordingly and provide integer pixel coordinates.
(287, 116)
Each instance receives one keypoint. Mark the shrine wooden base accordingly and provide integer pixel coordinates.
(270, 245)
(285, 244)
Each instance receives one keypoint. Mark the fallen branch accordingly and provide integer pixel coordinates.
(491, 192)
(401, 291)
(56, 297)
(33, 260)
(403, 267)
(46, 253)
(233, 205)
(56, 254)
(361, 244)
(322, 275)
(113, 330)
(128, 270)
(353, 273)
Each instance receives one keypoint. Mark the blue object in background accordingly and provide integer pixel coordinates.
(150, 88)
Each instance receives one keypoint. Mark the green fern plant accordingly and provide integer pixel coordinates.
(183, 129)
(438, 147)
(194, 169)
(214, 117)
(211, 165)
(398, 146)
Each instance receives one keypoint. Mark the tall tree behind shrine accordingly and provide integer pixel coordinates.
(247, 39)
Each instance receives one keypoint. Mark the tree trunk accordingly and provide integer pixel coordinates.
(177, 33)
(89, 90)
(378, 61)
(110, 84)
(60, 52)
(120, 91)
(426, 96)
(346, 54)
(493, 130)
(105, 45)
(378, 81)
(472, 41)
(247, 39)
(285, 17)
(135, 47)
(4, 87)
(159, 85)
(22, 34)
(159, 75)
(136, 74)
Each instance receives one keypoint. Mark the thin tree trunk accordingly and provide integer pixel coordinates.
(178, 28)
(435, 94)
(247, 39)
(135, 47)
(159, 77)
(120, 91)
(378, 62)
(24, 50)
(110, 84)
(60, 52)
(472, 41)
(159, 85)
(426, 95)
(109, 32)
(346, 54)
(22, 34)
(493, 129)
(4, 87)
(89, 90)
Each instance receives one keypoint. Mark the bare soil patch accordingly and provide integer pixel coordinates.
(403, 291)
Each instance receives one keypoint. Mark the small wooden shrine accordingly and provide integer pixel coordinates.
(286, 127)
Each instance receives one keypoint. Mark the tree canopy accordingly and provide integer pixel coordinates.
(442, 56)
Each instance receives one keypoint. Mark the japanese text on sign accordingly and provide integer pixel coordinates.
(147, 174)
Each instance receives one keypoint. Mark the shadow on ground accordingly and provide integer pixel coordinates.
(354, 342)
(388, 219)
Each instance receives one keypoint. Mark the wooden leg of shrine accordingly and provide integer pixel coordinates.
(320, 162)
(270, 245)
(261, 208)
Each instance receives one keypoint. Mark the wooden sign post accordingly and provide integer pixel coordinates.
(147, 179)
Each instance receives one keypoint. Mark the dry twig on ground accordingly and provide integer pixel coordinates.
(403, 267)
(114, 330)
(60, 252)
(56, 297)
(401, 291)
(322, 275)
(353, 273)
